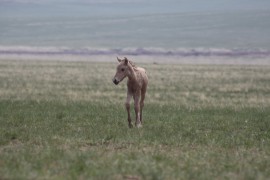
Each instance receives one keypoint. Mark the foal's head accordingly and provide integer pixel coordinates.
(122, 70)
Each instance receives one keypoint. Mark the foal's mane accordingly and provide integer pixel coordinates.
(132, 63)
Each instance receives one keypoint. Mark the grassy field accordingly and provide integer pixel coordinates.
(66, 120)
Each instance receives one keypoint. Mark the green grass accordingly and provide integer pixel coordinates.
(66, 120)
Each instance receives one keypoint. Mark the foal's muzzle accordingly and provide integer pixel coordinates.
(115, 81)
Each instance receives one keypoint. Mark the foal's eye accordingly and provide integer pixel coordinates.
(122, 69)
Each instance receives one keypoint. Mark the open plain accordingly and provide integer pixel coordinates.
(66, 120)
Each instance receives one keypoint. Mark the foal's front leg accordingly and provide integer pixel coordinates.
(128, 109)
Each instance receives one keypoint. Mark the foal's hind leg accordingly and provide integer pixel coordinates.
(142, 105)
(137, 109)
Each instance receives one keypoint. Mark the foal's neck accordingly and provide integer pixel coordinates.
(132, 76)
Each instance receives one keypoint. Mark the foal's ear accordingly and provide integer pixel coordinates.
(119, 60)
(126, 61)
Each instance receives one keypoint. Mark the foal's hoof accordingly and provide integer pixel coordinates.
(139, 125)
(130, 125)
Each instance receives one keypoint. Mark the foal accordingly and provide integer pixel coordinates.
(136, 87)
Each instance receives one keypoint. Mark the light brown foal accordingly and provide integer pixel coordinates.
(136, 87)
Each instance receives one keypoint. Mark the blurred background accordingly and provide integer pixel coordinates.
(135, 27)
